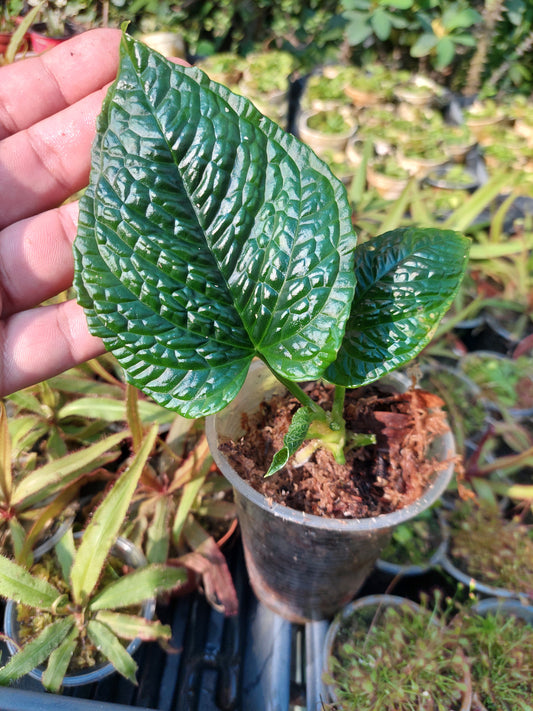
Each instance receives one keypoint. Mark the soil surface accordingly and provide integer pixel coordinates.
(376, 479)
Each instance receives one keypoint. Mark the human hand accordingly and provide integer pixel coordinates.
(48, 108)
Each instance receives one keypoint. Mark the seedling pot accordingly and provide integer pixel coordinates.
(321, 141)
(130, 554)
(380, 601)
(301, 566)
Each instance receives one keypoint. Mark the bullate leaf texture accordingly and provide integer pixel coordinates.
(208, 236)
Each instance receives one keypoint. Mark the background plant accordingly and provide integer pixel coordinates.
(499, 646)
(81, 612)
(389, 657)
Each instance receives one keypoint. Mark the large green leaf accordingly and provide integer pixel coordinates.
(406, 281)
(208, 236)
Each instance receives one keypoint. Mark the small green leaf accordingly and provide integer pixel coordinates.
(18, 584)
(406, 281)
(25, 431)
(381, 24)
(445, 49)
(133, 627)
(189, 493)
(110, 646)
(399, 4)
(37, 651)
(358, 29)
(65, 550)
(104, 526)
(138, 586)
(207, 236)
(452, 19)
(54, 476)
(59, 661)
(111, 410)
(18, 539)
(424, 45)
(158, 533)
(293, 440)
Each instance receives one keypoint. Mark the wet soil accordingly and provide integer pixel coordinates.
(376, 479)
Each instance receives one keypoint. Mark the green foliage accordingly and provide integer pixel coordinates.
(367, 18)
(390, 657)
(499, 646)
(77, 592)
(31, 500)
(414, 542)
(489, 548)
(443, 34)
(239, 268)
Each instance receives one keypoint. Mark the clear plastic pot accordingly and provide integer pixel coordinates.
(125, 551)
(301, 566)
(377, 601)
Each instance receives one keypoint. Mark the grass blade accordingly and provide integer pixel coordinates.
(6, 477)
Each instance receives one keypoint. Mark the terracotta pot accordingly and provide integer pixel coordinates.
(169, 44)
(387, 187)
(301, 566)
(5, 38)
(40, 43)
(361, 98)
(376, 601)
(320, 141)
(420, 167)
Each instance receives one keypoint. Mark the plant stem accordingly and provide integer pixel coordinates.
(318, 412)
(337, 410)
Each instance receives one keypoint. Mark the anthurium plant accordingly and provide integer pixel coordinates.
(209, 237)
(79, 610)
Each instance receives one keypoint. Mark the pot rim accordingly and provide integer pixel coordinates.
(384, 521)
(130, 551)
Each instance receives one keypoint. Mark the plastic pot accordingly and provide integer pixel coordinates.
(320, 141)
(130, 554)
(301, 566)
(380, 601)
(390, 567)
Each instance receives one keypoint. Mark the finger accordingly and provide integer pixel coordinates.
(36, 260)
(43, 165)
(38, 87)
(43, 342)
